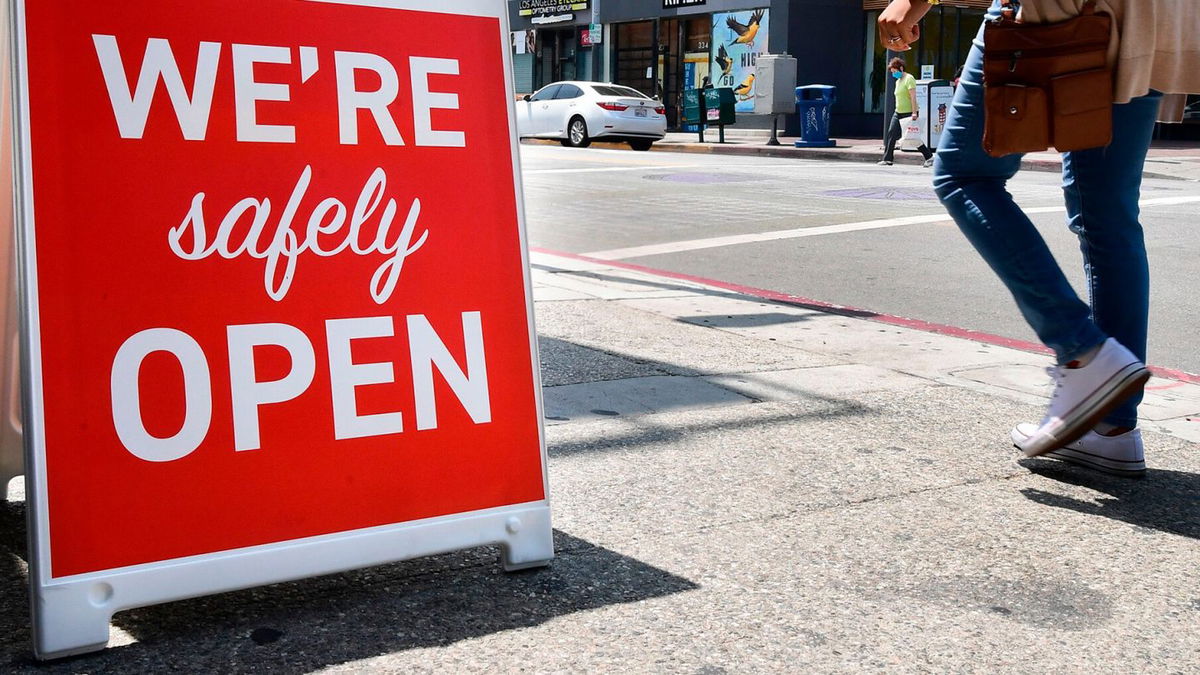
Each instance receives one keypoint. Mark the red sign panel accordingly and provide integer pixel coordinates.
(279, 274)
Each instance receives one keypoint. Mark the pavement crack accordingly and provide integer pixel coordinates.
(792, 513)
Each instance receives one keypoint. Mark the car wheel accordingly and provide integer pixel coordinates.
(641, 145)
(577, 133)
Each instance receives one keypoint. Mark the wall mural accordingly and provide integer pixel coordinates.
(738, 40)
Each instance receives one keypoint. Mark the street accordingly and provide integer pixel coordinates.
(832, 231)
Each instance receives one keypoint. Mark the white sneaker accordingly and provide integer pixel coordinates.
(883, 162)
(927, 163)
(1084, 396)
(1121, 455)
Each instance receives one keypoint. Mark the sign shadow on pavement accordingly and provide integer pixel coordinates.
(589, 382)
(341, 618)
(645, 431)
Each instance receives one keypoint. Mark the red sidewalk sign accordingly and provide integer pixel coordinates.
(278, 319)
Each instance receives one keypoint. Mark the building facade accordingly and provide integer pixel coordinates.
(662, 47)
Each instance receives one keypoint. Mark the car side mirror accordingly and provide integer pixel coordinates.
(527, 97)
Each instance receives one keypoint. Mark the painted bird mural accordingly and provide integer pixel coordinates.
(746, 34)
(745, 90)
(724, 60)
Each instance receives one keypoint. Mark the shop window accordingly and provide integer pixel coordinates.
(697, 35)
(946, 36)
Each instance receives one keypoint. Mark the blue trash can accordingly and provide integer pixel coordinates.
(812, 105)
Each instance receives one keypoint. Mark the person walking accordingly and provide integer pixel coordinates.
(1100, 347)
(906, 107)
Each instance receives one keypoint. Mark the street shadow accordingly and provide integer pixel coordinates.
(569, 369)
(14, 593)
(647, 430)
(746, 320)
(565, 362)
(1167, 501)
(327, 621)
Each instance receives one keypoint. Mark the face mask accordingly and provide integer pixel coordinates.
(896, 75)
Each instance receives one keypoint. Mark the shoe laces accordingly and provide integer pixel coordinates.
(1057, 374)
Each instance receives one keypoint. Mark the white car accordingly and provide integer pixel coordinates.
(577, 113)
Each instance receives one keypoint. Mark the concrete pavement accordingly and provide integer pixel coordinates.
(1167, 159)
(747, 484)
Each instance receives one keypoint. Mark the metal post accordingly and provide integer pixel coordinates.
(774, 130)
(597, 52)
(654, 62)
(888, 107)
(722, 128)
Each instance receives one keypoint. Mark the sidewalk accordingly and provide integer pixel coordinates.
(744, 482)
(1167, 159)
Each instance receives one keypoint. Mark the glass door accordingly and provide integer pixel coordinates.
(633, 51)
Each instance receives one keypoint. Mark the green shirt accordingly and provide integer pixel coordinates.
(905, 84)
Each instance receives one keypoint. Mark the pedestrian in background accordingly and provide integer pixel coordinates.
(906, 108)
(1101, 347)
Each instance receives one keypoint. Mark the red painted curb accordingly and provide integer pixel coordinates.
(853, 312)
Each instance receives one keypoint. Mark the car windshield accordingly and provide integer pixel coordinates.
(613, 90)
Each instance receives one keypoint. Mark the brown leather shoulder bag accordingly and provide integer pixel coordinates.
(1047, 85)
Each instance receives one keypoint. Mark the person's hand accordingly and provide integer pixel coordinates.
(898, 24)
(916, 116)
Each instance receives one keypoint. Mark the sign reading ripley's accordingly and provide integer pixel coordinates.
(276, 279)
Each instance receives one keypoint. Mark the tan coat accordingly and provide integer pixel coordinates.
(1155, 43)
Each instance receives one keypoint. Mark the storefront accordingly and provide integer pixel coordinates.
(662, 47)
(552, 41)
(662, 57)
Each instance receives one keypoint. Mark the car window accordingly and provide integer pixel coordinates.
(546, 93)
(613, 90)
(568, 91)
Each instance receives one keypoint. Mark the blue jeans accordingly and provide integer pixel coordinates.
(1102, 188)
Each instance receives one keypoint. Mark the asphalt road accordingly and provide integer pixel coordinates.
(829, 231)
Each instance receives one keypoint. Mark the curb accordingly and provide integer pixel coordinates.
(849, 312)
(787, 151)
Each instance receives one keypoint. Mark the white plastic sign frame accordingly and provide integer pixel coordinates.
(71, 614)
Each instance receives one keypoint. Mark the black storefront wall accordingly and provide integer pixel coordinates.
(827, 37)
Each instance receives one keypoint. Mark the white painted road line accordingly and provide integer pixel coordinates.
(605, 169)
(709, 168)
(734, 240)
